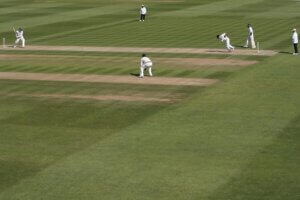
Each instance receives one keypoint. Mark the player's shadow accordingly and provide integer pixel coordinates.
(285, 52)
(215, 51)
(135, 74)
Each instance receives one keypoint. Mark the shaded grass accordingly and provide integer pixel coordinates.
(51, 87)
(235, 140)
(262, 174)
(197, 147)
(67, 127)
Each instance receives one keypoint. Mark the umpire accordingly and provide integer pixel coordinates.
(295, 41)
(143, 13)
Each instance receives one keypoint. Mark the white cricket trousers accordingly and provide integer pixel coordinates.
(250, 39)
(22, 39)
(142, 69)
(228, 46)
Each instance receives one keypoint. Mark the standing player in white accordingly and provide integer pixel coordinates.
(250, 37)
(143, 13)
(295, 41)
(224, 38)
(20, 37)
(145, 63)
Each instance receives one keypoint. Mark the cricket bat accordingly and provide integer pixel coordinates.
(14, 29)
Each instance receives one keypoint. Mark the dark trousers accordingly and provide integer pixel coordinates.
(143, 17)
(296, 48)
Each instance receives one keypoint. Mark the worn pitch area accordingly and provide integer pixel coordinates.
(247, 52)
(107, 79)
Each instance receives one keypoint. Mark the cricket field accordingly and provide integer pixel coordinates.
(76, 122)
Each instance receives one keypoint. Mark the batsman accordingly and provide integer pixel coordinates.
(20, 37)
(250, 38)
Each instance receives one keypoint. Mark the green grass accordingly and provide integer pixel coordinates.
(237, 139)
(112, 65)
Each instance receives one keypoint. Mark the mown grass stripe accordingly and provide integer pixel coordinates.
(79, 30)
(93, 70)
(14, 67)
(64, 16)
(210, 8)
(29, 7)
(185, 73)
(290, 10)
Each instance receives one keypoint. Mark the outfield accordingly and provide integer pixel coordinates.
(77, 123)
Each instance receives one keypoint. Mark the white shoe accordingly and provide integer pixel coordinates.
(295, 54)
(245, 46)
(141, 77)
(15, 46)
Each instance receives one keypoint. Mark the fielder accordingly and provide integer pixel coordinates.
(224, 38)
(20, 37)
(143, 13)
(250, 37)
(145, 63)
(295, 41)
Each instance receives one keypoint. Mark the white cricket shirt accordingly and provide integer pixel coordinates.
(143, 11)
(222, 37)
(19, 34)
(250, 31)
(145, 61)
(295, 38)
